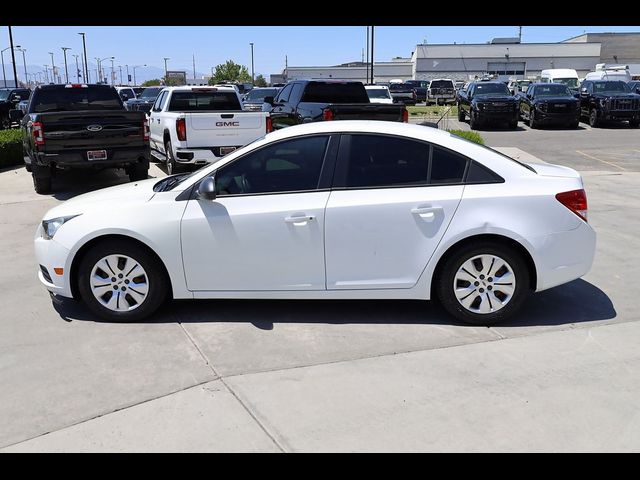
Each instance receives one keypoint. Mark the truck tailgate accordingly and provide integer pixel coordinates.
(92, 129)
(374, 111)
(210, 129)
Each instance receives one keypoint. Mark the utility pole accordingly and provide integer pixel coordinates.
(165, 70)
(372, 28)
(46, 73)
(252, 75)
(53, 67)
(66, 70)
(128, 80)
(286, 69)
(120, 67)
(366, 65)
(112, 72)
(520, 34)
(13, 58)
(194, 66)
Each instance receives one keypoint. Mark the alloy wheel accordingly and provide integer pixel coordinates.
(119, 283)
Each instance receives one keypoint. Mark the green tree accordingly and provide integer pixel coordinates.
(151, 83)
(173, 82)
(260, 81)
(230, 71)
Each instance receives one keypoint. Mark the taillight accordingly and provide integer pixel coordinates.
(327, 114)
(181, 129)
(405, 115)
(38, 133)
(145, 128)
(269, 125)
(576, 201)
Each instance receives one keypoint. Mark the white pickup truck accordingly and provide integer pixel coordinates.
(193, 126)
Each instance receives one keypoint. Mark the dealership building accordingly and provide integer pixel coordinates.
(505, 57)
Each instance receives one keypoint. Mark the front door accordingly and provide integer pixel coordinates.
(265, 229)
(394, 207)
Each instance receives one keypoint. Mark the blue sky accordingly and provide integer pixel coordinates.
(313, 45)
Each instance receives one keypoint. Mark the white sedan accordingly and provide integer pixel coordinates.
(335, 210)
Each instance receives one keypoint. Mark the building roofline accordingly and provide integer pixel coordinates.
(600, 33)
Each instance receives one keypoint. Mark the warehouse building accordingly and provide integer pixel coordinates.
(505, 57)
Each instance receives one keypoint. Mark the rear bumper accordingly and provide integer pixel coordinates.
(200, 156)
(565, 256)
(116, 157)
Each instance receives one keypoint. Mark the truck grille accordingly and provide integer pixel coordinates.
(624, 104)
(499, 107)
(560, 107)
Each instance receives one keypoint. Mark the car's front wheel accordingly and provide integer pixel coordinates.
(473, 120)
(121, 281)
(594, 119)
(483, 284)
(460, 114)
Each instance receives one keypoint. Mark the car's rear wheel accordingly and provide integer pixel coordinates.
(121, 281)
(483, 284)
(41, 179)
(173, 167)
(138, 171)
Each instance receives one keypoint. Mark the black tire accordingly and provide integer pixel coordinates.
(41, 179)
(158, 284)
(513, 124)
(5, 124)
(473, 121)
(634, 123)
(533, 123)
(139, 171)
(27, 167)
(445, 290)
(594, 120)
(574, 124)
(461, 116)
(173, 167)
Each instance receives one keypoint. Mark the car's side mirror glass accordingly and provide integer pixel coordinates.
(207, 189)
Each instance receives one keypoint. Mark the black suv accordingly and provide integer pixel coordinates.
(602, 100)
(488, 102)
(9, 99)
(549, 103)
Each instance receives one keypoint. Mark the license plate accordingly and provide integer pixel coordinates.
(96, 155)
(225, 150)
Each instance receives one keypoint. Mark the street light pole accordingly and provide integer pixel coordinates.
(134, 73)
(53, 67)
(24, 63)
(4, 75)
(128, 81)
(46, 73)
(13, 57)
(99, 71)
(112, 72)
(120, 68)
(252, 75)
(66, 70)
(86, 65)
(75, 55)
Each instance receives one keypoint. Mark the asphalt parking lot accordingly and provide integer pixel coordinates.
(334, 375)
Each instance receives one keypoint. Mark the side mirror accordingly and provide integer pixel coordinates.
(15, 115)
(268, 100)
(207, 189)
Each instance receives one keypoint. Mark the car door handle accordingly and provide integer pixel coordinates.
(426, 213)
(299, 219)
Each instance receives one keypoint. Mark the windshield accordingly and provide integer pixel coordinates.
(610, 87)
(66, 99)
(552, 91)
(4, 94)
(569, 82)
(258, 94)
(491, 89)
(378, 93)
(150, 93)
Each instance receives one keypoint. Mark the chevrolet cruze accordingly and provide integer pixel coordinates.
(329, 210)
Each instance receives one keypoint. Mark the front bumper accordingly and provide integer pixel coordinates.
(116, 157)
(496, 117)
(50, 255)
(621, 115)
(564, 117)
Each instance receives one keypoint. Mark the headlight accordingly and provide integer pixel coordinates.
(50, 227)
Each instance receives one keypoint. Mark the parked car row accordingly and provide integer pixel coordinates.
(549, 103)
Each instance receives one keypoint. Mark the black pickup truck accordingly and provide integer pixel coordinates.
(602, 100)
(9, 99)
(549, 103)
(304, 101)
(82, 126)
(488, 102)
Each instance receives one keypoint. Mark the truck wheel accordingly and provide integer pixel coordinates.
(6, 123)
(594, 121)
(513, 124)
(41, 179)
(473, 121)
(532, 119)
(27, 167)
(172, 166)
(460, 114)
(139, 171)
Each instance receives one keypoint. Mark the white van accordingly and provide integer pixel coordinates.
(568, 76)
(610, 72)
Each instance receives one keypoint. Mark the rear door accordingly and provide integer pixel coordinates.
(393, 199)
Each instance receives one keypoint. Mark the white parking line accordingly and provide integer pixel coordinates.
(600, 160)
